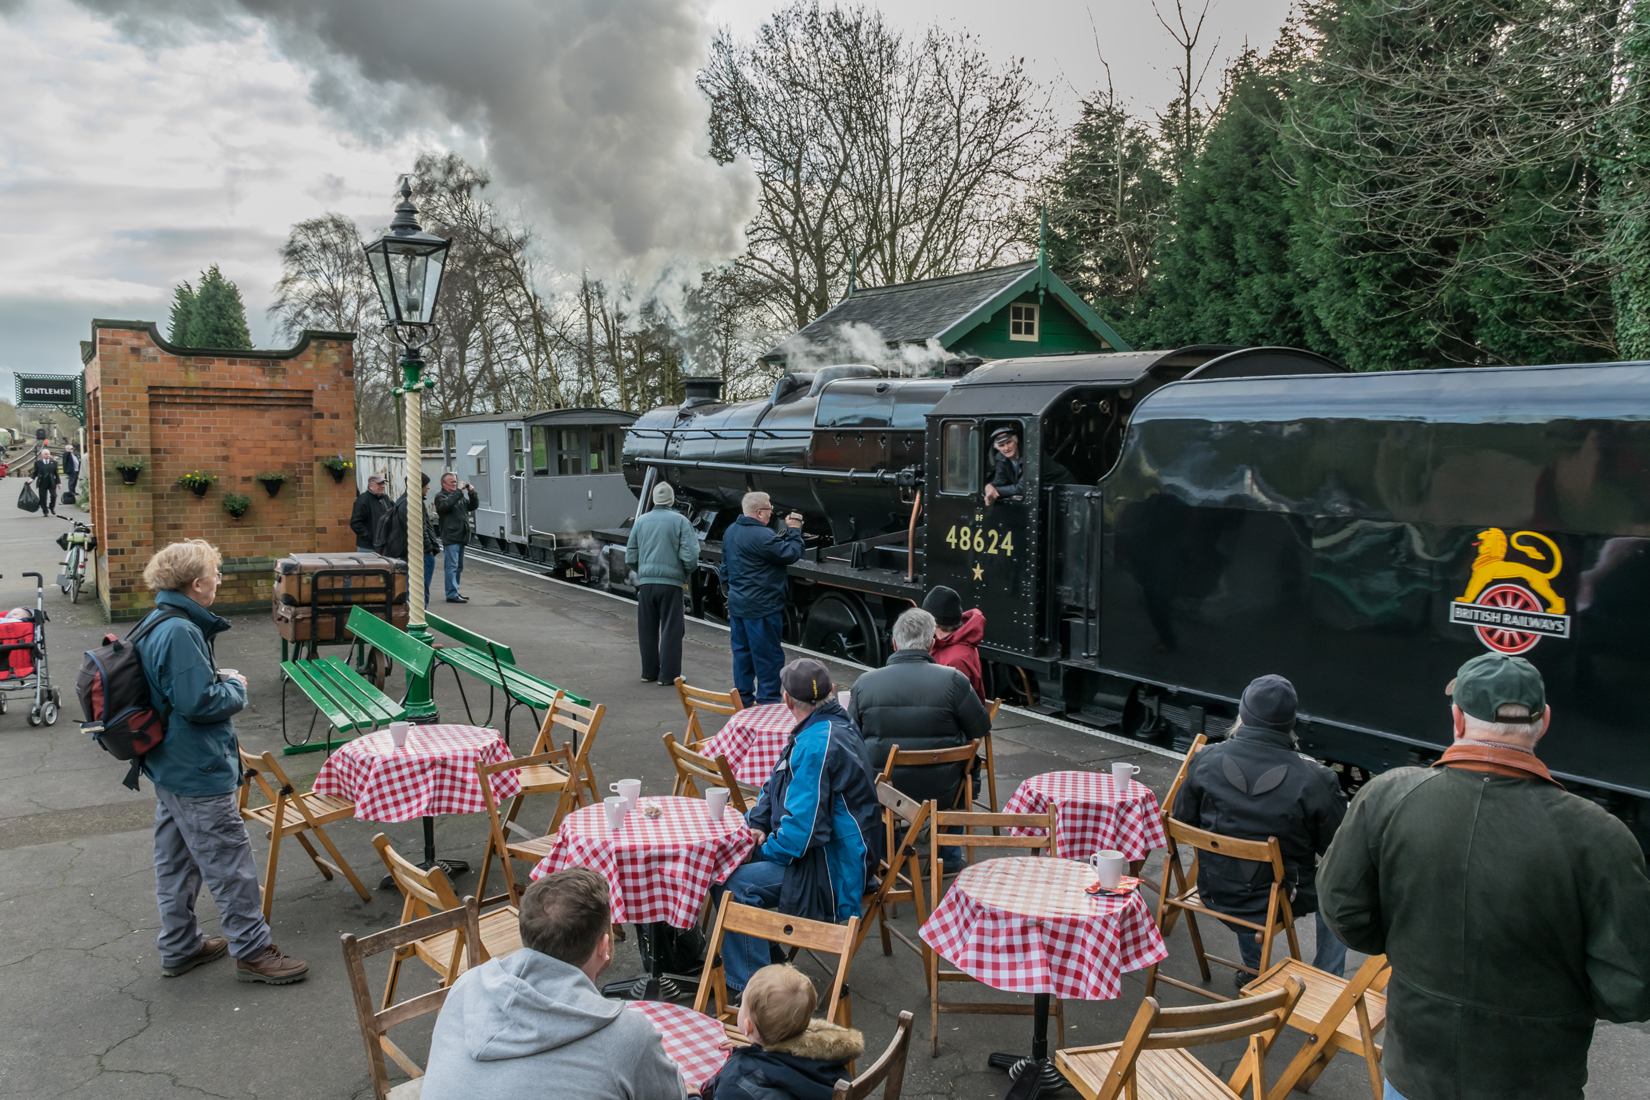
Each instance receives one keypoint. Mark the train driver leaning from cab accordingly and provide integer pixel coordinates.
(1009, 467)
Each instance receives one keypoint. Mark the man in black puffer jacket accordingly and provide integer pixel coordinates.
(1256, 785)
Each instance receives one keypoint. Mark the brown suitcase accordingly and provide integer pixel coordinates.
(295, 579)
(295, 624)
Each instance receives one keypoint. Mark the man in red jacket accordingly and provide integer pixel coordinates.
(957, 635)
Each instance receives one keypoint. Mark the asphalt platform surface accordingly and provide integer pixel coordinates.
(84, 1011)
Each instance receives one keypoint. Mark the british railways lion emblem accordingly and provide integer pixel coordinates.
(1511, 604)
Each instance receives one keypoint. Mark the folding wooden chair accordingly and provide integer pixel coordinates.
(693, 769)
(901, 873)
(584, 722)
(524, 845)
(1336, 1013)
(429, 892)
(889, 1069)
(1154, 1060)
(1046, 843)
(1178, 893)
(794, 932)
(1166, 807)
(990, 756)
(292, 812)
(460, 923)
(695, 700)
(923, 758)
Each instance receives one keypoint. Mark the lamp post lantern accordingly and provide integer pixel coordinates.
(406, 265)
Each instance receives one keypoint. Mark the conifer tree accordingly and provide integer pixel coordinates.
(218, 319)
(183, 304)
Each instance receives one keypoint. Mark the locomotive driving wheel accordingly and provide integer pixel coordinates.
(840, 625)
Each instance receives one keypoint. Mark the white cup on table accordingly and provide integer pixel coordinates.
(842, 698)
(716, 803)
(1110, 867)
(628, 789)
(398, 733)
(1122, 774)
(615, 809)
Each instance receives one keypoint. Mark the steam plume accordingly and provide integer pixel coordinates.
(587, 107)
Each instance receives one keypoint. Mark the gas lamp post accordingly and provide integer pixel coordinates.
(406, 265)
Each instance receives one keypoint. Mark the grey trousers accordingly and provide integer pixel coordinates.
(204, 839)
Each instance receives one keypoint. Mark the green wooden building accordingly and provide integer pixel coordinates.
(999, 313)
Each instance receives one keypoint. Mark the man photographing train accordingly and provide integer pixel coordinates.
(753, 575)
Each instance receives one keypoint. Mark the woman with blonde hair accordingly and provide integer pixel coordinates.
(196, 770)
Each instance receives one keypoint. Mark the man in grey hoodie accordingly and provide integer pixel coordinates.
(533, 1022)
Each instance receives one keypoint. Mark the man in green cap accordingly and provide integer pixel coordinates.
(1515, 914)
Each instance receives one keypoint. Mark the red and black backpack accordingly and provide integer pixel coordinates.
(114, 696)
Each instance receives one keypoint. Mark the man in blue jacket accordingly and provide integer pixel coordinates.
(196, 770)
(663, 549)
(753, 575)
(817, 821)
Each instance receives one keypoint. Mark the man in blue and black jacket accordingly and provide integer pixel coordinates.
(817, 822)
(753, 575)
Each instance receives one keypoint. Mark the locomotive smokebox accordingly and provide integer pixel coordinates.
(701, 391)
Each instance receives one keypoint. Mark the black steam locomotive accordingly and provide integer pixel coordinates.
(1194, 518)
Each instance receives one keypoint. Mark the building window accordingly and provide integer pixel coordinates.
(1022, 322)
(960, 457)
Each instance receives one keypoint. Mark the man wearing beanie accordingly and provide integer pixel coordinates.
(817, 821)
(957, 635)
(1515, 914)
(1254, 785)
(663, 549)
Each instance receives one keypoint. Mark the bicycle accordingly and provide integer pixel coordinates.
(78, 544)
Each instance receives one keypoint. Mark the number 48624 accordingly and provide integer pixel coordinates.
(979, 540)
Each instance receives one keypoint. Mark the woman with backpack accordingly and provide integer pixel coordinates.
(196, 770)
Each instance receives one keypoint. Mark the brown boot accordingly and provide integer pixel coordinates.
(272, 965)
(213, 947)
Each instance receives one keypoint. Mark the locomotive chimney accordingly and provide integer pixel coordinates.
(701, 391)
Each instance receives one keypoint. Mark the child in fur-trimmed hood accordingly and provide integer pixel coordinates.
(792, 1056)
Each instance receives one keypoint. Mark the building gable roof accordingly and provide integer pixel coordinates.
(943, 309)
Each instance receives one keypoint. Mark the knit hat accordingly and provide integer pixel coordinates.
(806, 680)
(1490, 681)
(945, 605)
(664, 495)
(1268, 704)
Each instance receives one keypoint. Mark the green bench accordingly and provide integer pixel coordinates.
(494, 664)
(349, 701)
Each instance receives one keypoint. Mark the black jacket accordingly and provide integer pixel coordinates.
(396, 546)
(454, 508)
(363, 519)
(1007, 474)
(753, 567)
(1251, 786)
(71, 464)
(45, 473)
(804, 1067)
(918, 704)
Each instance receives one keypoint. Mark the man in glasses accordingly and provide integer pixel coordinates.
(753, 576)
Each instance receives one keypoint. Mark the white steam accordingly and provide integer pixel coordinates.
(587, 108)
(858, 342)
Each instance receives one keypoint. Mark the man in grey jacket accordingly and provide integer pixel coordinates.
(663, 549)
(533, 1023)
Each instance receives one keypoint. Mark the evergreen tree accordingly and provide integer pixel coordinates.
(218, 319)
(183, 304)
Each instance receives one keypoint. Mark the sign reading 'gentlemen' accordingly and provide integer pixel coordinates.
(47, 389)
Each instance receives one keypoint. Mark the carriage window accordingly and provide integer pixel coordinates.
(516, 457)
(614, 435)
(541, 450)
(960, 456)
(478, 451)
(598, 449)
(570, 448)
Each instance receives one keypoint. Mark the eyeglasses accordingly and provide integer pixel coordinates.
(759, 511)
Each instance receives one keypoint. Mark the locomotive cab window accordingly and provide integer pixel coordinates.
(959, 457)
(1022, 322)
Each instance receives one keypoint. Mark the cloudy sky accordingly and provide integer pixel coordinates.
(134, 152)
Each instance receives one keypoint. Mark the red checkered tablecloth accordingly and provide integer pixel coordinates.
(433, 773)
(1025, 925)
(656, 868)
(1093, 815)
(692, 1040)
(752, 741)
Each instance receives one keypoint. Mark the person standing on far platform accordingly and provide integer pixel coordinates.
(395, 544)
(45, 482)
(753, 576)
(663, 549)
(370, 509)
(454, 504)
(71, 472)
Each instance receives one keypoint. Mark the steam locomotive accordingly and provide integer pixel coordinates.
(1197, 517)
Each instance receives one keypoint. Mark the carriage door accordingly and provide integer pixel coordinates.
(518, 471)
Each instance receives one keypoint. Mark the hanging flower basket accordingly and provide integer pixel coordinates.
(129, 469)
(271, 482)
(338, 466)
(197, 482)
(236, 504)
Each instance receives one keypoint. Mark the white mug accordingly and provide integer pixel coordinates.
(842, 698)
(227, 674)
(398, 733)
(1110, 867)
(1121, 774)
(614, 808)
(716, 803)
(628, 789)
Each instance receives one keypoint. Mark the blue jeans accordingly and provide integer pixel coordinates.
(1330, 956)
(758, 653)
(429, 575)
(453, 556)
(204, 840)
(1391, 1093)
(757, 885)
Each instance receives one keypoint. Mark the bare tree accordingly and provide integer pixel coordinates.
(1184, 122)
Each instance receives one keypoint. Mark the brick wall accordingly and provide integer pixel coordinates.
(232, 414)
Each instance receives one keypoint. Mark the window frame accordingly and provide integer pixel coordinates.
(1032, 314)
(974, 464)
